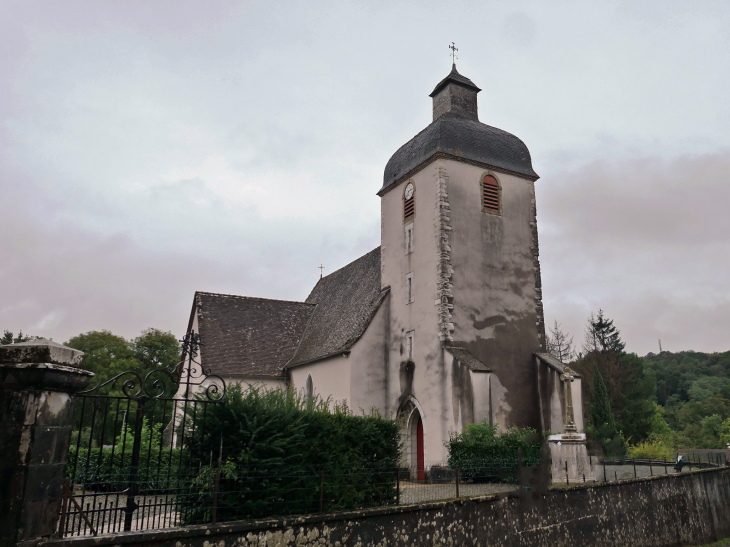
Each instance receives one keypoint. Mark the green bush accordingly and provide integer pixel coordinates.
(276, 445)
(481, 452)
(110, 467)
(652, 449)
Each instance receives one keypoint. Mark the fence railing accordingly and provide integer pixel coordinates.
(210, 494)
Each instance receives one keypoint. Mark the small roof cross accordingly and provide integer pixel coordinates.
(453, 49)
(321, 269)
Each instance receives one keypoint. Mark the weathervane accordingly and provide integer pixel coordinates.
(453, 49)
(321, 269)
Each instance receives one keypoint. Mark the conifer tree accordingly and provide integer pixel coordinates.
(602, 335)
(629, 386)
(601, 406)
(8, 338)
(604, 428)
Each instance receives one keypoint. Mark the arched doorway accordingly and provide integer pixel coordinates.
(420, 464)
(415, 440)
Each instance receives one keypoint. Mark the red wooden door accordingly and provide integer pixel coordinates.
(419, 450)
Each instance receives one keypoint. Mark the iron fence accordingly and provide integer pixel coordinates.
(134, 444)
(221, 492)
(218, 493)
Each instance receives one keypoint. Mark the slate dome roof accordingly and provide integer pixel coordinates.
(462, 138)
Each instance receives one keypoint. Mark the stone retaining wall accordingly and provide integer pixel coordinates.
(688, 509)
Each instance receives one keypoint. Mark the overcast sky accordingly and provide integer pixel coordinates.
(151, 149)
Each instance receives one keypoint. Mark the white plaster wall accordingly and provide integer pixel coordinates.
(481, 382)
(266, 383)
(429, 381)
(469, 391)
(578, 403)
(330, 378)
(552, 397)
(368, 363)
(557, 423)
(194, 325)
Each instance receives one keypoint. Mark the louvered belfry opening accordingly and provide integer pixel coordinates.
(409, 207)
(490, 194)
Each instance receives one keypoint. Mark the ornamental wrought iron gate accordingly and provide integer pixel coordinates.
(141, 456)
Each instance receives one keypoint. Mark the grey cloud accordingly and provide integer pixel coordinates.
(149, 149)
(645, 238)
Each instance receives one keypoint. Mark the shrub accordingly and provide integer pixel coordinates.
(110, 467)
(652, 449)
(276, 444)
(481, 452)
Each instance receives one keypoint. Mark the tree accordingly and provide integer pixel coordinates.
(604, 429)
(602, 335)
(631, 386)
(560, 344)
(8, 338)
(106, 355)
(711, 429)
(635, 408)
(157, 349)
(600, 407)
(725, 433)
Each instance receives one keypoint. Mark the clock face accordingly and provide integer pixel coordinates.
(409, 191)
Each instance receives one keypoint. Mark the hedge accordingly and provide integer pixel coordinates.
(276, 446)
(96, 470)
(483, 453)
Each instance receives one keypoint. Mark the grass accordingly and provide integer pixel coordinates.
(722, 543)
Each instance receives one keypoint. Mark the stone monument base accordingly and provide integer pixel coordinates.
(570, 462)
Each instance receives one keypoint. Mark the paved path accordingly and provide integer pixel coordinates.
(419, 493)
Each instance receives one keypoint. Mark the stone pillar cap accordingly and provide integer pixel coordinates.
(40, 350)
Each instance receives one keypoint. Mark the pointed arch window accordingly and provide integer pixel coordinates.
(491, 194)
(409, 201)
(309, 389)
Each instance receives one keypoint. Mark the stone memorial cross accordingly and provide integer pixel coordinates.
(568, 378)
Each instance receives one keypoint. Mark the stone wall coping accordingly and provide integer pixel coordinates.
(553, 363)
(154, 536)
(40, 350)
(49, 366)
(43, 377)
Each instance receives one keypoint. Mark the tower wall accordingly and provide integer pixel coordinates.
(497, 301)
(428, 380)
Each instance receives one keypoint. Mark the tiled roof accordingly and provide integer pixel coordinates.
(245, 336)
(346, 302)
(468, 360)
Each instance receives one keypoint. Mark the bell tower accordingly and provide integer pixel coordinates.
(460, 255)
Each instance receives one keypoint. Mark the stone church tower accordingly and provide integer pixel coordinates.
(442, 325)
(460, 255)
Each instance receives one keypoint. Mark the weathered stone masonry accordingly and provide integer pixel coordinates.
(667, 511)
(442, 224)
(538, 277)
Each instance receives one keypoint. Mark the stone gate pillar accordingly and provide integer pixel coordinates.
(37, 379)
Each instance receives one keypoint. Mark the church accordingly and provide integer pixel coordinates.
(441, 325)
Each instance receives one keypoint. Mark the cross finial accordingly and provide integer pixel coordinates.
(567, 375)
(453, 49)
(321, 269)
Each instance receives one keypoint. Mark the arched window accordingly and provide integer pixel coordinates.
(491, 194)
(409, 201)
(309, 390)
